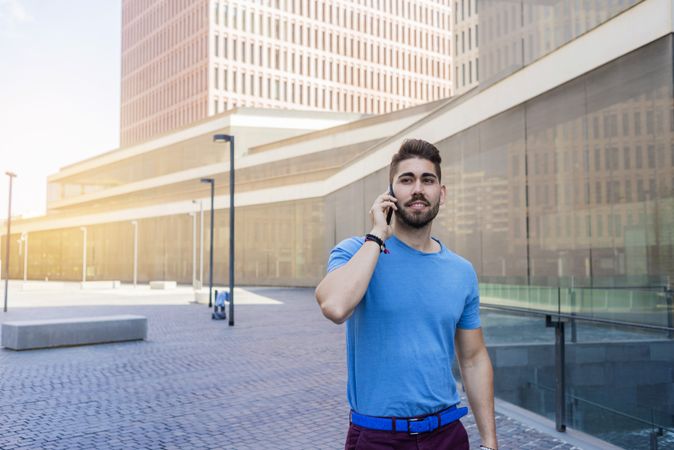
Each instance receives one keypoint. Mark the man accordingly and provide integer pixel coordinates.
(409, 303)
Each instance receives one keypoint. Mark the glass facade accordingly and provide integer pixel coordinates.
(574, 187)
(279, 244)
(576, 184)
(513, 33)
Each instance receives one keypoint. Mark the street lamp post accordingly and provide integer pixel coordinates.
(135, 252)
(24, 239)
(201, 244)
(220, 138)
(193, 214)
(84, 254)
(211, 181)
(11, 176)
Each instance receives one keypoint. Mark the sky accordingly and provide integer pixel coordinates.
(59, 91)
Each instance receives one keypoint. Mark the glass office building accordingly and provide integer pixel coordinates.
(184, 61)
(559, 167)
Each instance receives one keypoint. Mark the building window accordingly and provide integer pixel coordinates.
(641, 194)
(637, 124)
(651, 156)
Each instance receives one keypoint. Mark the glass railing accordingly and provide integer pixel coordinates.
(647, 305)
(599, 360)
(621, 429)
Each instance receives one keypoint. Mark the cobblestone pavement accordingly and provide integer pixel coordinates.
(274, 381)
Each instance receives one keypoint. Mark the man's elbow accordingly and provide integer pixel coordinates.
(330, 308)
(334, 313)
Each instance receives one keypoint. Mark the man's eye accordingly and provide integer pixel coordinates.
(405, 180)
(429, 180)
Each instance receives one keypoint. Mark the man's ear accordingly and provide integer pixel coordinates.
(443, 194)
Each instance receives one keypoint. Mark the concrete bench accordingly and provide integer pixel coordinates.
(113, 284)
(163, 284)
(42, 285)
(30, 334)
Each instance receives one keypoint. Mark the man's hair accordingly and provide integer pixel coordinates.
(416, 148)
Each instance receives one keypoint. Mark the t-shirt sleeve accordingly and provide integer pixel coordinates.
(343, 252)
(470, 319)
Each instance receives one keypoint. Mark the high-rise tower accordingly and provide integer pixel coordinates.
(185, 60)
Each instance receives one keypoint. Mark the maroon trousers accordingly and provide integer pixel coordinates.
(452, 436)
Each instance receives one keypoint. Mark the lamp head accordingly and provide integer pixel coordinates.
(220, 138)
(10, 174)
(207, 180)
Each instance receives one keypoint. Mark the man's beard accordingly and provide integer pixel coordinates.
(418, 220)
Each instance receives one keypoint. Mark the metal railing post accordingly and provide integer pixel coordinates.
(669, 294)
(560, 363)
(572, 301)
(654, 435)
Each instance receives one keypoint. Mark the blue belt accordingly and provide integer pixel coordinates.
(411, 425)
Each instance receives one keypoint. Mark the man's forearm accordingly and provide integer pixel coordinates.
(341, 290)
(478, 380)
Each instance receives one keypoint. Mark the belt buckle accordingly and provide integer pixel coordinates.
(409, 426)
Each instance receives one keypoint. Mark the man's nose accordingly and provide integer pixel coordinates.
(418, 187)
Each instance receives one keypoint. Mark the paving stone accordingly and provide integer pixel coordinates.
(277, 380)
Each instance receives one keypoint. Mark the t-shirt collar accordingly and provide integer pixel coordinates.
(414, 250)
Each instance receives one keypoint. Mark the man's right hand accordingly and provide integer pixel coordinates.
(378, 215)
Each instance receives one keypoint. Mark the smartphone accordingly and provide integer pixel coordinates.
(390, 210)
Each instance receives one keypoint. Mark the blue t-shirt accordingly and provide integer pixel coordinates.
(400, 338)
